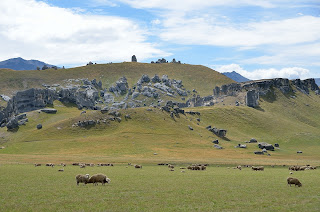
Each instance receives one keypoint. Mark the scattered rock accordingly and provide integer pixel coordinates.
(217, 146)
(241, 146)
(49, 110)
(105, 109)
(253, 140)
(264, 145)
(215, 141)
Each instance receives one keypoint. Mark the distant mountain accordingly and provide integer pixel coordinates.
(317, 81)
(235, 76)
(22, 64)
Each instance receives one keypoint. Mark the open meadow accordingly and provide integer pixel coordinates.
(154, 188)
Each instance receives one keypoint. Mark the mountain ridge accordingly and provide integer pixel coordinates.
(236, 76)
(20, 64)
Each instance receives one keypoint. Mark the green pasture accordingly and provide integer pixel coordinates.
(155, 188)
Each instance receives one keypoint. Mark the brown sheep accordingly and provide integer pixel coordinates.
(295, 181)
(257, 168)
(99, 178)
(82, 178)
(37, 164)
(171, 166)
(138, 166)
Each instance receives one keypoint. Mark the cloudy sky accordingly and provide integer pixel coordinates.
(256, 38)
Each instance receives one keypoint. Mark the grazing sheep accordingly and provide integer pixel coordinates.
(294, 181)
(171, 166)
(99, 178)
(138, 166)
(172, 170)
(75, 164)
(37, 164)
(82, 165)
(50, 164)
(61, 170)
(291, 173)
(257, 168)
(82, 178)
(239, 167)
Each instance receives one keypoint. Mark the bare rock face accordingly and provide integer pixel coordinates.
(252, 98)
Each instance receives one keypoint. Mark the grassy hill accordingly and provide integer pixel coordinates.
(201, 78)
(292, 122)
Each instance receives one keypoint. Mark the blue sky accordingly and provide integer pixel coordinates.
(257, 38)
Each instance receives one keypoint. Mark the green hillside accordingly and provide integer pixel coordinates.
(292, 122)
(201, 78)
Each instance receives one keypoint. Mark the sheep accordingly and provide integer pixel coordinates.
(295, 181)
(257, 168)
(82, 178)
(171, 166)
(82, 166)
(138, 166)
(239, 167)
(61, 170)
(99, 178)
(50, 164)
(291, 173)
(37, 164)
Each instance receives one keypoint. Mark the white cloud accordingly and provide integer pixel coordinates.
(156, 22)
(201, 31)
(32, 29)
(298, 55)
(289, 72)
(191, 5)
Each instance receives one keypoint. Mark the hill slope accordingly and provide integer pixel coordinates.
(235, 76)
(197, 77)
(22, 64)
(149, 132)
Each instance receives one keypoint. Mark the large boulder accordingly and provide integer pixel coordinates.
(108, 97)
(121, 86)
(252, 98)
(133, 58)
(12, 123)
(264, 145)
(156, 79)
(39, 126)
(144, 79)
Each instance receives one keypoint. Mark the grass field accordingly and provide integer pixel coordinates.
(155, 188)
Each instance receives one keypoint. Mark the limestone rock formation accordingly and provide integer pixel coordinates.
(121, 86)
(133, 58)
